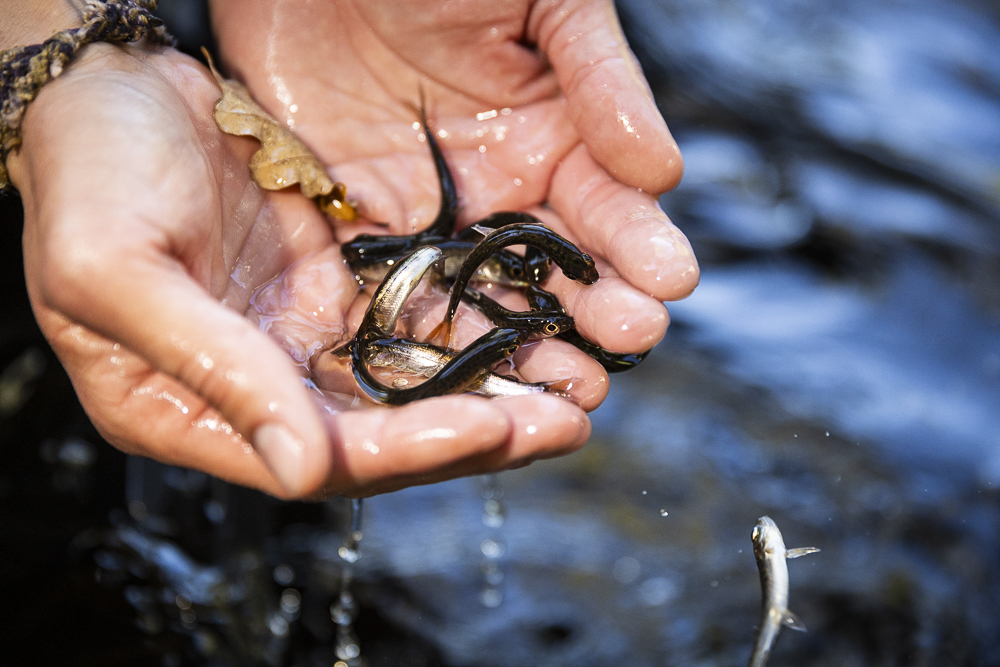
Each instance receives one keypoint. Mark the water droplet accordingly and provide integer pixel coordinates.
(644, 492)
(482, 149)
(518, 181)
(348, 554)
(290, 601)
(664, 513)
(491, 597)
(486, 115)
(532, 430)
(284, 574)
(491, 549)
(626, 569)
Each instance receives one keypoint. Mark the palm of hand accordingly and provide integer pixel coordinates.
(145, 263)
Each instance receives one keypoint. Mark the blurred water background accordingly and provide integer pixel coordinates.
(838, 369)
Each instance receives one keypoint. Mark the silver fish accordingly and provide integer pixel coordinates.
(503, 268)
(387, 304)
(769, 549)
(426, 360)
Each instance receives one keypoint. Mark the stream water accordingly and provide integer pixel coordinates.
(838, 369)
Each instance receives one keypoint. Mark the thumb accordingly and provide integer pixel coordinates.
(607, 96)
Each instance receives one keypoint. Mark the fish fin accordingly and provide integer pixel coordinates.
(441, 332)
(344, 351)
(792, 621)
(800, 551)
(485, 231)
(441, 336)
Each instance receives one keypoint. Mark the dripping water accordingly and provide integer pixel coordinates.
(345, 609)
(492, 548)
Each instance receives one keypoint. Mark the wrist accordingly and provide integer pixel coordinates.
(23, 23)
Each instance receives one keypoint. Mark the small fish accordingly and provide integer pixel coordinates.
(503, 268)
(456, 376)
(380, 321)
(387, 302)
(378, 246)
(426, 360)
(769, 549)
(613, 362)
(575, 264)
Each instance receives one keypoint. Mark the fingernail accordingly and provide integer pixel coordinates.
(283, 454)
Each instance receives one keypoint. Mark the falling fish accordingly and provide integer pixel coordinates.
(769, 549)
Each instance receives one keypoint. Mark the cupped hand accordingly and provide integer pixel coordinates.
(538, 106)
(145, 241)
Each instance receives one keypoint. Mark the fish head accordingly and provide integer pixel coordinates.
(767, 538)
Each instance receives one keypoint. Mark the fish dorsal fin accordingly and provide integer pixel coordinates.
(800, 551)
(482, 229)
(792, 621)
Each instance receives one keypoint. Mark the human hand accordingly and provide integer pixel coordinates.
(144, 242)
(570, 142)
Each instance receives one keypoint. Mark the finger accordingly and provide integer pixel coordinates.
(535, 427)
(624, 226)
(607, 96)
(377, 446)
(146, 413)
(148, 302)
(568, 369)
(611, 312)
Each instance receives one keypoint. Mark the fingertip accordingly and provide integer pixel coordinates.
(543, 426)
(637, 322)
(284, 454)
(656, 257)
(560, 365)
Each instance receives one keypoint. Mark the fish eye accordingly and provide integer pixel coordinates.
(516, 271)
(551, 328)
(512, 349)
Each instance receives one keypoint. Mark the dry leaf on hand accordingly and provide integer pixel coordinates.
(283, 159)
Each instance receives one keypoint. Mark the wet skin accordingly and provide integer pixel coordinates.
(575, 264)
(368, 246)
(613, 362)
(371, 255)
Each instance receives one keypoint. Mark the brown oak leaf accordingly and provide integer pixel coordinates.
(283, 160)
